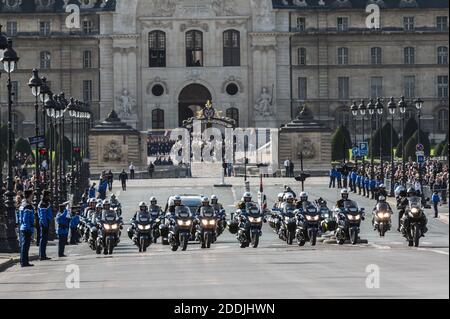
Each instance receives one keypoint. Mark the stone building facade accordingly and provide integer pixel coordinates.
(158, 62)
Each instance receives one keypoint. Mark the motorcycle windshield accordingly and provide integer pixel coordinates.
(382, 207)
(144, 217)
(254, 211)
(182, 211)
(309, 208)
(110, 216)
(351, 207)
(414, 202)
(206, 212)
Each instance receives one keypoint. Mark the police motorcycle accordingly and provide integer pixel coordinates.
(348, 218)
(414, 221)
(327, 221)
(155, 222)
(140, 231)
(91, 232)
(180, 227)
(206, 226)
(84, 219)
(250, 220)
(287, 220)
(220, 214)
(108, 232)
(275, 218)
(381, 219)
(308, 223)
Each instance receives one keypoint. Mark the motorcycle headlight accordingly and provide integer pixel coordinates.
(415, 211)
(312, 218)
(387, 215)
(141, 227)
(287, 219)
(205, 222)
(326, 215)
(147, 227)
(212, 222)
(184, 223)
(354, 217)
(158, 220)
(107, 227)
(255, 219)
(114, 226)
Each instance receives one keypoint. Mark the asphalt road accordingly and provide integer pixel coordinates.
(274, 270)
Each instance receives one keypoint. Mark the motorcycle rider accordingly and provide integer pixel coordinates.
(381, 191)
(280, 200)
(143, 212)
(205, 203)
(246, 199)
(288, 201)
(114, 201)
(382, 200)
(154, 204)
(288, 189)
(303, 199)
(95, 219)
(175, 202)
(412, 194)
(403, 203)
(215, 203)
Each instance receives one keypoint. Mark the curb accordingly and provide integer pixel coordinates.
(13, 261)
(443, 218)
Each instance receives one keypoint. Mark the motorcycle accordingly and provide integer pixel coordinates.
(308, 222)
(206, 227)
(413, 223)
(327, 222)
(348, 222)
(382, 218)
(221, 221)
(287, 224)
(155, 221)
(250, 222)
(142, 236)
(108, 233)
(275, 220)
(180, 228)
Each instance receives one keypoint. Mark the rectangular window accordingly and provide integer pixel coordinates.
(302, 56)
(15, 91)
(342, 56)
(376, 87)
(301, 24)
(442, 23)
(87, 26)
(410, 55)
(87, 59)
(376, 56)
(408, 23)
(87, 90)
(11, 28)
(409, 86)
(442, 86)
(44, 28)
(302, 88)
(343, 88)
(342, 24)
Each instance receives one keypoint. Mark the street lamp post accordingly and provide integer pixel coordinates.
(354, 110)
(50, 106)
(72, 108)
(44, 96)
(371, 110)
(419, 105)
(35, 83)
(362, 110)
(380, 108)
(64, 104)
(402, 106)
(9, 61)
(392, 106)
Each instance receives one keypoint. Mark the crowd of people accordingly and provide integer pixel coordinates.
(159, 145)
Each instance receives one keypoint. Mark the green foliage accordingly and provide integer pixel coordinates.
(410, 147)
(339, 144)
(386, 146)
(67, 149)
(439, 148)
(445, 150)
(411, 127)
(23, 146)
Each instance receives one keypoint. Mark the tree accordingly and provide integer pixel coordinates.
(347, 136)
(23, 146)
(410, 128)
(339, 144)
(445, 150)
(439, 148)
(410, 147)
(67, 149)
(386, 145)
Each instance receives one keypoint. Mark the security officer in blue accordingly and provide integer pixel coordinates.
(62, 226)
(74, 221)
(372, 186)
(26, 223)
(45, 216)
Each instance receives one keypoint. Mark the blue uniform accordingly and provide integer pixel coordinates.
(45, 215)
(25, 219)
(74, 221)
(63, 223)
(92, 192)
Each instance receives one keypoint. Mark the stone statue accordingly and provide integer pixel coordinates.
(264, 104)
(224, 7)
(113, 152)
(305, 146)
(127, 104)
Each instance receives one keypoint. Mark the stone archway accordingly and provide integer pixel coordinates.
(192, 99)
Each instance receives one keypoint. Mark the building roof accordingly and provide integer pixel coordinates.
(357, 4)
(31, 6)
(113, 124)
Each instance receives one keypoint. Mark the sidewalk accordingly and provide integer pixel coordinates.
(9, 260)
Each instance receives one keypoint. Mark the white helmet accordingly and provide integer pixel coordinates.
(280, 196)
(288, 196)
(153, 199)
(213, 197)
(382, 186)
(304, 195)
(141, 204)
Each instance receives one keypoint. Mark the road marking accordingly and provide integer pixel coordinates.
(380, 246)
(434, 251)
(234, 194)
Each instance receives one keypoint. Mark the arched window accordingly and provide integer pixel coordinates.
(342, 56)
(157, 49)
(233, 113)
(442, 123)
(231, 48)
(157, 119)
(302, 56)
(45, 59)
(194, 48)
(442, 54)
